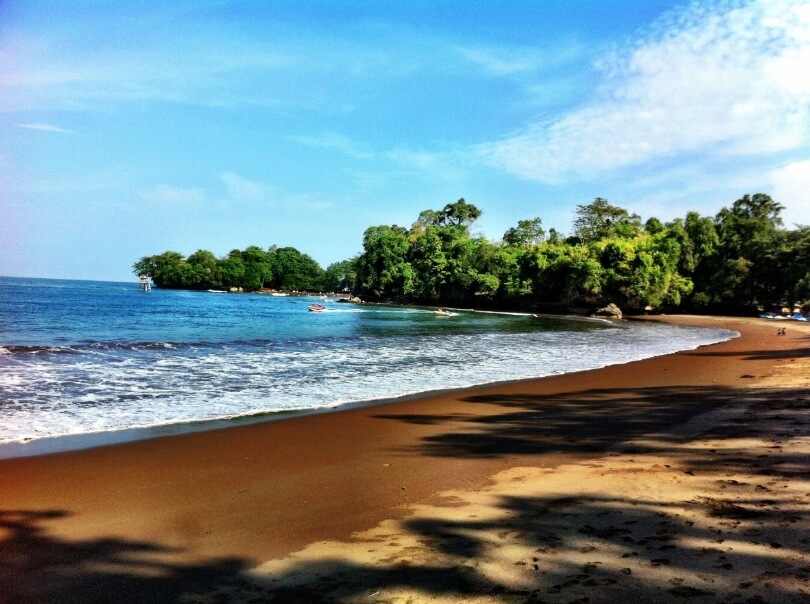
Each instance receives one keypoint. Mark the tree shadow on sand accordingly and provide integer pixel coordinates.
(37, 567)
(740, 536)
(736, 529)
(566, 550)
(581, 422)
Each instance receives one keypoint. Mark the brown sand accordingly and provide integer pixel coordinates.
(685, 477)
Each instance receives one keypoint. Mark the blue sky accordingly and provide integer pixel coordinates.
(132, 128)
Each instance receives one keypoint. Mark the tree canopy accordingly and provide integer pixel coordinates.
(735, 261)
(250, 269)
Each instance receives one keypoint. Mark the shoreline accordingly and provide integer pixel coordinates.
(251, 511)
(34, 447)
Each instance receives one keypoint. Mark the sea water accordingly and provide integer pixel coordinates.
(99, 358)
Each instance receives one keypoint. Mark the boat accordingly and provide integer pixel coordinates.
(440, 312)
(316, 308)
(279, 294)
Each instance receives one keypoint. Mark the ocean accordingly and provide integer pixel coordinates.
(86, 362)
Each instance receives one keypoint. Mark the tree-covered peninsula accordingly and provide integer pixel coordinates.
(738, 260)
(251, 269)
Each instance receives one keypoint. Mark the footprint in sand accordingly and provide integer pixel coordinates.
(655, 562)
(685, 591)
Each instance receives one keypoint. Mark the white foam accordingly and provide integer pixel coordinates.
(74, 394)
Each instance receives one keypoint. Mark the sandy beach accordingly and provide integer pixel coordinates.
(679, 478)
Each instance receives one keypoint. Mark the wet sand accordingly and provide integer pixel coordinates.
(680, 477)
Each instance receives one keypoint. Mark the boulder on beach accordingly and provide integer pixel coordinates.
(611, 311)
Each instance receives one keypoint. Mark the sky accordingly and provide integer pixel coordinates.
(131, 128)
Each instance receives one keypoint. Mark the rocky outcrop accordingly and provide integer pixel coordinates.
(611, 311)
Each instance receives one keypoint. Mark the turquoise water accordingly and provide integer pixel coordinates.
(82, 358)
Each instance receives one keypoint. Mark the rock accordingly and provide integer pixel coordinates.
(610, 311)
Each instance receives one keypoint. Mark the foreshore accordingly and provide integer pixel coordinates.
(679, 477)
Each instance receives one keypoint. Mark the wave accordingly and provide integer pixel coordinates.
(180, 384)
(89, 346)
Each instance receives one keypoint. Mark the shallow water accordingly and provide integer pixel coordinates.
(80, 357)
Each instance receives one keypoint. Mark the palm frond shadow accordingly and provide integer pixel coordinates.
(35, 566)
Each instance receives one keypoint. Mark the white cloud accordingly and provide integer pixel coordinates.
(791, 188)
(46, 128)
(722, 83)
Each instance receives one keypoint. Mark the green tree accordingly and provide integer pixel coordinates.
(168, 270)
(232, 269)
(745, 271)
(460, 213)
(383, 269)
(527, 232)
(341, 276)
(207, 273)
(258, 268)
(599, 220)
(562, 273)
(429, 263)
(294, 271)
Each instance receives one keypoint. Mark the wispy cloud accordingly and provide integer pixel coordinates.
(174, 196)
(721, 82)
(336, 142)
(501, 61)
(241, 189)
(232, 191)
(46, 128)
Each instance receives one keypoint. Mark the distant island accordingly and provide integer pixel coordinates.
(741, 260)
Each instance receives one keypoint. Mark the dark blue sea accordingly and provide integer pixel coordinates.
(86, 362)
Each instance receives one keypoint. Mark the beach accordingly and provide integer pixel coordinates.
(682, 477)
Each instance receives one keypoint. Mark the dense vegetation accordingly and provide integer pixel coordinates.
(254, 268)
(737, 260)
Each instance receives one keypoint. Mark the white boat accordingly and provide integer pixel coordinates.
(279, 294)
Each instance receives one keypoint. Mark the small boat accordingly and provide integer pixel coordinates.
(440, 312)
(316, 308)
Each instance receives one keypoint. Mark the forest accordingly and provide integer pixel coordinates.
(741, 260)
